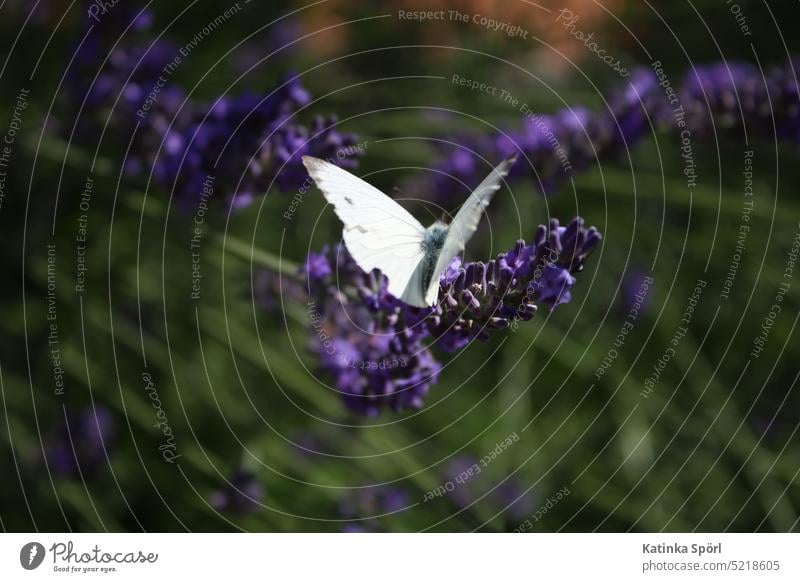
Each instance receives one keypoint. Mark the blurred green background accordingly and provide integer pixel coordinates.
(714, 447)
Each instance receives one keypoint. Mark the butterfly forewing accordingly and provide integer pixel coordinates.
(378, 232)
(466, 223)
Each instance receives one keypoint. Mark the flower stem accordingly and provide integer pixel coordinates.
(259, 257)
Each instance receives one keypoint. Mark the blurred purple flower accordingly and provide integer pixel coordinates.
(636, 106)
(470, 483)
(317, 265)
(120, 25)
(712, 96)
(368, 504)
(241, 495)
(718, 97)
(636, 290)
(513, 498)
(551, 147)
(784, 93)
(270, 289)
(118, 17)
(727, 97)
(80, 445)
(248, 143)
(463, 472)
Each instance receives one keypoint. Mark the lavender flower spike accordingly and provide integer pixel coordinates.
(480, 297)
(81, 444)
(372, 344)
(372, 363)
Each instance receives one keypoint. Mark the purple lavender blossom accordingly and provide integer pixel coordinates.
(551, 147)
(241, 495)
(372, 365)
(81, 444)
(478, 297)
(784, 93)
(129, 75)
(730, 97)
(470, 484)
(317, 265)
(120, 25)
(636, 106)
(723, 97)
(247, 142)
(372, 344)
(719, 97)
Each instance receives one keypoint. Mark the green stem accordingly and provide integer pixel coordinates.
(258, 256)
(58, 150)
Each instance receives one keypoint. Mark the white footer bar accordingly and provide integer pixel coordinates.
(401, 557)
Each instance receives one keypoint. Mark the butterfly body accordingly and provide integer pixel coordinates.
(381, 234)
(432, 244)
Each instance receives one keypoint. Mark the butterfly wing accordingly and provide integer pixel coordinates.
(378, 232)
(414, 292)
(466, 223)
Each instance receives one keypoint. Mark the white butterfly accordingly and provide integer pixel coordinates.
(381, 234)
